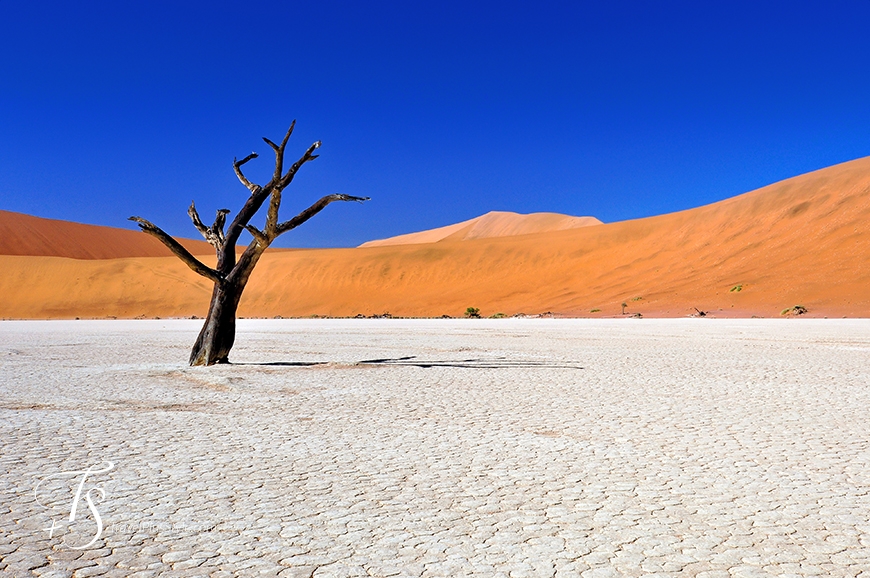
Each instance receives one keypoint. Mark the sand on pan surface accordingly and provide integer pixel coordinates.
(503, 447)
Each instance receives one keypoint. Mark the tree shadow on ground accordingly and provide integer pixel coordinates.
(412, 361)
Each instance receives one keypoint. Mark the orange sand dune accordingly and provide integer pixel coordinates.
(22, 234)
(801, 241)
(492, 224)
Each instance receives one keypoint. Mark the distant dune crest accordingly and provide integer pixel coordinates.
(492, 224)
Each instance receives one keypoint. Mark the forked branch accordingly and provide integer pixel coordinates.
(240, 222)
(178, 250)
(215, 234)
(279, 152)
(275, 200)
(260, 194)
(259, 235)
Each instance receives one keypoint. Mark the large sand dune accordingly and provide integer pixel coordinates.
(492, 224)
(22, 234)
(801, 241)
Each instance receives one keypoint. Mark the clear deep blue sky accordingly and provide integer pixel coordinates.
(438, 111)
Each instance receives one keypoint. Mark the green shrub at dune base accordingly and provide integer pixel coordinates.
(472, 313)
(796, 310)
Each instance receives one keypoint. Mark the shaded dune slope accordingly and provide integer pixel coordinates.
(22, 234)
(801, 241)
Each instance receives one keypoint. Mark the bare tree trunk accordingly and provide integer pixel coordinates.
(219, 330)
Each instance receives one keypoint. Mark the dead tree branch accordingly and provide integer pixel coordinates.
(275, 201)
(260, 194)
(259, 235)
(244, 216)
(217, 228)
(237, 166)
(178, 250)
(272, 214)
(197, 222)
(313, 210)
(247, 261)
(215, 234)
(279, 152)
(285, 180)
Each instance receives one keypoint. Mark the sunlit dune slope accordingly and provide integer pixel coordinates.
(801, 241)
(22, 234)
(492, 224)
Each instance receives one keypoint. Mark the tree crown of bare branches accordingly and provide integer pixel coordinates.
(228, 270)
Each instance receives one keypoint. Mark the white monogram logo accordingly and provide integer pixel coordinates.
(88, 495)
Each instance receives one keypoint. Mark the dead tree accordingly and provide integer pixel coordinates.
(231, 273)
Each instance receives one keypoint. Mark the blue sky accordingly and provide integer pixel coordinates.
(438, 111)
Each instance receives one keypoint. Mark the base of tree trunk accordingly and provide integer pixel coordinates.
(218, 333)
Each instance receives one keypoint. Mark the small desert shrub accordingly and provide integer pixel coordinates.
(472, 312)
(737, 289)
(796, 310)
(594, 310)
(497, 316)
(636, 298)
